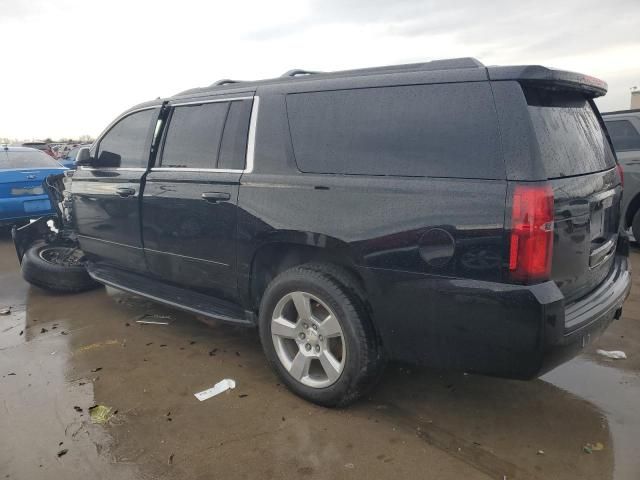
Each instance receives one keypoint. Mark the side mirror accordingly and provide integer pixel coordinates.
(83, 157)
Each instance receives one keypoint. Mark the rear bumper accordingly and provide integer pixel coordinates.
(512, 331)
(587, 318)
(15, 209)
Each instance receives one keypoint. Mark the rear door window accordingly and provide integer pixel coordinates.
(194, 136)
(623, 135)
(127, 144)
(442, 130)
(233, 150)
(569, 133)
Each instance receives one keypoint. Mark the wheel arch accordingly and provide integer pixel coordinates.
(290, 249)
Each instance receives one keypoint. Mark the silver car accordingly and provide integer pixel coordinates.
(624, 130)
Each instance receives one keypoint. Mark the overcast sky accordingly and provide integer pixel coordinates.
(70, 66)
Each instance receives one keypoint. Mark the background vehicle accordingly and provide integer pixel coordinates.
(69, 158)
(624, 130)
(444, 213)
(42, 146)
(22, 173)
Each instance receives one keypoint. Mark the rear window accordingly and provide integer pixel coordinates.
(443, 130)
(570, 136)
(624, 135)
(27, 159)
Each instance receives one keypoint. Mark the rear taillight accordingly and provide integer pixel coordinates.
(531, 241)
(621, 173)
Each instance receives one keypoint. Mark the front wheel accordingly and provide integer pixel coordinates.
(318, 337)
(57, 268)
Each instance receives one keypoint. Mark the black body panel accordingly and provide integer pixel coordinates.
(189, 229)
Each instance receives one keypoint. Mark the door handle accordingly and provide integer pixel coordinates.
(125, 191)
(214, 197)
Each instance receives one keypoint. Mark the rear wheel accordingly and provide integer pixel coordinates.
(57, 268)
(318, 337)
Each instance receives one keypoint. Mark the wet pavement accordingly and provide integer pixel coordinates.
(62, 354)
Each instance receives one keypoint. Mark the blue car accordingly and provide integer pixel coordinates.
(22, 174)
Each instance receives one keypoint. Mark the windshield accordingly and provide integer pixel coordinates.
(569, 132)
(27, 159)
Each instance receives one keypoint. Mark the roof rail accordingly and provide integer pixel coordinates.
(224, 81)
(298, 71)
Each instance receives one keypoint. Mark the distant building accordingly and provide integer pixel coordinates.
(635, 98)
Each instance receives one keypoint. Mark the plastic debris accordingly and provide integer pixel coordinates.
(154, 319)
(100, 414)
(218, 388)
(540, 452)
(5, 310)
(151, 322)
(593, 447)
(614, 354)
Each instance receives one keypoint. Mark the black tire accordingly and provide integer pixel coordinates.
(363, 361)
(55, 277)
(635, 226)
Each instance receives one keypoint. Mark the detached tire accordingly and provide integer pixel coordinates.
(56, 268)
(318, 337)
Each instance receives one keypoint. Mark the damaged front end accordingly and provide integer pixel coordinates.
(53, 228)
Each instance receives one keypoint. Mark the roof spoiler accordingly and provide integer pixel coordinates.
(552, 78)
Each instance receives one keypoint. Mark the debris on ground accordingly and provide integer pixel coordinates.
(614, 354)
(63, 452)
(44, 330)
(243, 395)
(77, 408)
(97, 369)
(212, 353)
(5, 310)
(218, 388)
(540, 452)
(593, 447)
(170, 460)
(154, 319)
(100, 414)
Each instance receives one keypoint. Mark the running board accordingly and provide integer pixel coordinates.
(177, 297)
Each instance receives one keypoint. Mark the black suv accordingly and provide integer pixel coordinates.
(442, 213)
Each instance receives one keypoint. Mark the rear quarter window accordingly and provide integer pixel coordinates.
(442, 130)
(569, 133)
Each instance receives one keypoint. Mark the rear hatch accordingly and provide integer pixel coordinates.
(581, 168)
(28, 182)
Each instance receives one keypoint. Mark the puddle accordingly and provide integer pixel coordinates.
(617, 394)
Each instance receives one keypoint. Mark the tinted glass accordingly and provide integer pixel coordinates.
(569, 133)
(444, 130)
(194, 136)
(127, 144)
(623, 135)
(234, 142)
(27, 159)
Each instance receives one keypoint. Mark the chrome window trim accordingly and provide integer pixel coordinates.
(200, 102)
(251, 140)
